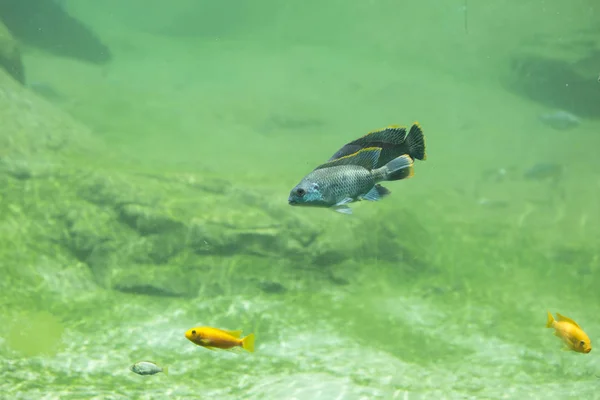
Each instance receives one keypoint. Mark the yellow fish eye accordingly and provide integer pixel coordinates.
(582, 343)
(194, 333)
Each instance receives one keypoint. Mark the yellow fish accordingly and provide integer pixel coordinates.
(568, 330)
(213, 338)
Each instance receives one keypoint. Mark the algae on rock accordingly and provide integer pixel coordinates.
(10, 55)
(95, 225)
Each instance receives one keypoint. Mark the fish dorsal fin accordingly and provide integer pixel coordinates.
(562, 318)
(235, 334)
(393, 134)
(366, 158)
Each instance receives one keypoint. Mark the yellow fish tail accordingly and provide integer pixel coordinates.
(248, 343)
(550, 320)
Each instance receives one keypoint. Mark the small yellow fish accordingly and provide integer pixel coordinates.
(568, 330)
(213, 338)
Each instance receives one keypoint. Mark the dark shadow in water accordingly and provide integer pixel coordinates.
(557, 84)
(10, 55)
(47, 91)
(147, 290)
(45, 24)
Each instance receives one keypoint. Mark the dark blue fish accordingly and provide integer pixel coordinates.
(348, 179)
(393, 142)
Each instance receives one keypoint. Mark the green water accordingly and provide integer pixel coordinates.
(147, 195)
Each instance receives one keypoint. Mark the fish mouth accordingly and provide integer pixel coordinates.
(588, 350)
(292, 202)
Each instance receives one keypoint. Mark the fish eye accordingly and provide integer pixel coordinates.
(193, 332)
(300, 192)
(582, 343)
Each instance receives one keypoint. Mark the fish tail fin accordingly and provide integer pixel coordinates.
(399, 168)
(416, 142)
(248, 343)
(166, 370)
(550, 320)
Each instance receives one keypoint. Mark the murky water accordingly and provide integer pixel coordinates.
(143, 192)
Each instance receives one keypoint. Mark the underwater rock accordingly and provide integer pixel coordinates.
(10, 56)
(46, 25)
(272, 287)
(36, 186)
(556, 84)
(172, 228)
(160, 281)
(328, 256)
(316, 386)
(162, 234)
(34, 131)
(86, 229)
(18, 169)
(146, 220)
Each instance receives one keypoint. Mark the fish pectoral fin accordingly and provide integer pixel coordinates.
(343, 209)
(346, 200)
(206, 344)
(567, 319)
(341, 206)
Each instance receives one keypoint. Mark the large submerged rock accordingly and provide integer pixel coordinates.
(558, 84)
(70, 224)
